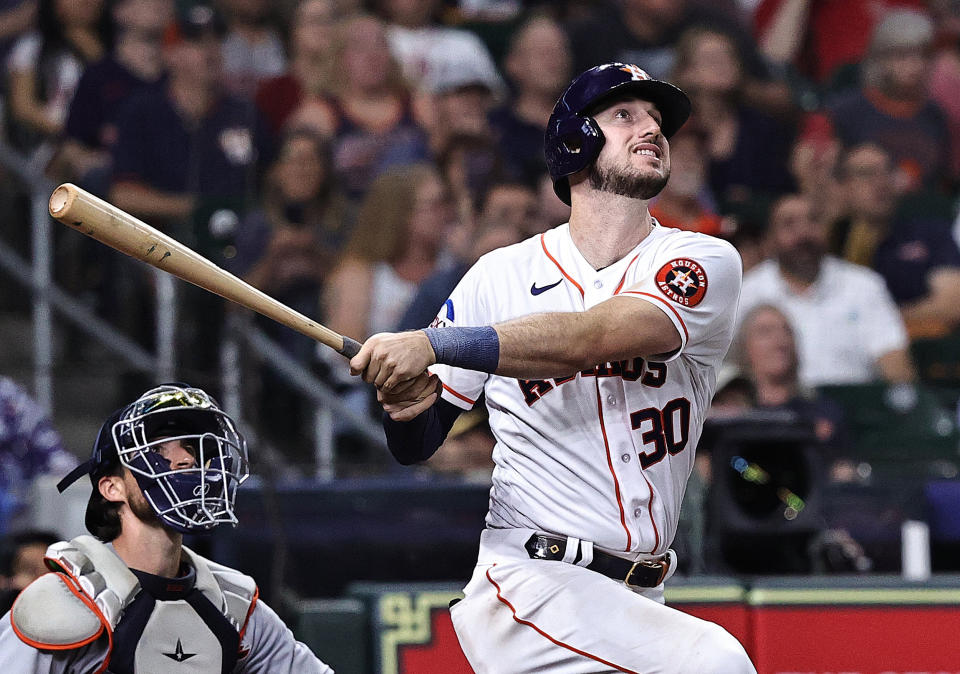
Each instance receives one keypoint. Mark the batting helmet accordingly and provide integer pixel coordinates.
(573, 139)
(190, 500)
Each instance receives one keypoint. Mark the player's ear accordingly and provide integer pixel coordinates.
(112, 488)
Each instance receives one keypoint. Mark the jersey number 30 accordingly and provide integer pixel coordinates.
(668, 432)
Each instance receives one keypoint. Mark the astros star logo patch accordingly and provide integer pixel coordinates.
(683, 281)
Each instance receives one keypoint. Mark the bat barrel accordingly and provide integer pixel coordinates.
(62, 199)
(118, 229)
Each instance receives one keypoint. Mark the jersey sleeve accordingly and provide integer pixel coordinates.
(17, 656)
(696, 283)
(466, 307)
(272, 648)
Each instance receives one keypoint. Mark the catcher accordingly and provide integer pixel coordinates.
(132, 598)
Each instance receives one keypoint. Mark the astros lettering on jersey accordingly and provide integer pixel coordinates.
(604, 454)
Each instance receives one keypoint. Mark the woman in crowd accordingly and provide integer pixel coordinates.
(45, 66)
(370, 116)
(396, 244)
(747, 149)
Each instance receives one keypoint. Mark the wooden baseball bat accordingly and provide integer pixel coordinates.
(118, 229)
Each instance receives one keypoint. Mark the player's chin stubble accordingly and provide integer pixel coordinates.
(625, 183)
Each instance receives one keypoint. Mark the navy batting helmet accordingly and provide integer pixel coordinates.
(573, 139)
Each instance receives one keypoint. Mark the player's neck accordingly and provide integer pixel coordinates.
(153, 549)
(605, 227)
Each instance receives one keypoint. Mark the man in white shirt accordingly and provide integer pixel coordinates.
(849, 330)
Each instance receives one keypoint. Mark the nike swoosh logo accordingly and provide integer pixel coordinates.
(534, 290)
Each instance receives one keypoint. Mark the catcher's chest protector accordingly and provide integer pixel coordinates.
(187, 625)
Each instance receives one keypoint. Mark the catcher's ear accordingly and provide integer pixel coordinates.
(112, 488)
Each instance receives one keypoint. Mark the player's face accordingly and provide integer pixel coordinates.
(635, 159)
(177, 453)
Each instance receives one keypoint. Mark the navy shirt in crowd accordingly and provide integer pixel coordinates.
(103, 89)
(908, 255)
(919, 142)
(219, 157)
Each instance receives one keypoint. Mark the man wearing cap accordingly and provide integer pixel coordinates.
(188, 159)
(132, 598)
(893, 106)
(596, 346)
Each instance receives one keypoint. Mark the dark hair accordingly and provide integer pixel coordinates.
(847, 151)
(54, 33)
(11, 546)
(103, 516)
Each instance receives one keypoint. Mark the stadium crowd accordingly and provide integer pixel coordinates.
(353, 158)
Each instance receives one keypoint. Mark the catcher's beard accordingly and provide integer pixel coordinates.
(626, 184)
(142, 510)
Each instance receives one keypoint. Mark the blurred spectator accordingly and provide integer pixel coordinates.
(816, 37)
(45, 65)
(467, 452)
(813, 165)
(470, 164)
(395, 246)
(134, 63)
(16, 18)
(893, 107)
(551, 210)
(747, 149)
(508, 208)
(455, 102)
(371, 114)
(945, 71)
(306, 80)
(29, 447)
(489, 10)
(21, 562)
(916, 255)
(765, 351)
(538, 67)
(686, 202)
(644, 32)
(288, 247)
(848, 328)
(187, 159)
(426, 49)
(252, 48)
(189, 149)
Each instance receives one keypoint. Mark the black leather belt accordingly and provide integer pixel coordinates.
(644, 573)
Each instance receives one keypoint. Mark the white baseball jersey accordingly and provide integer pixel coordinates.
(602, 455)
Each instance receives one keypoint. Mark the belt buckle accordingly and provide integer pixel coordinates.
(653, 564)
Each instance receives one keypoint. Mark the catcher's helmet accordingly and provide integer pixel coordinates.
(573, 139)
(190, 500)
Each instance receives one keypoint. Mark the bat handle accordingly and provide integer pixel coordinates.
(351, 347)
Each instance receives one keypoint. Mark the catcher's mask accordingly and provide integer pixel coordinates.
(194, 499)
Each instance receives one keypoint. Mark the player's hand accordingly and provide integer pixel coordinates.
(390, 359)
(410, 399)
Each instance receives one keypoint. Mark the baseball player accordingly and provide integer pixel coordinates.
(134, 599)
(597, 346)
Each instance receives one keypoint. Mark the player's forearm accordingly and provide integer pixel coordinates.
(558, 344)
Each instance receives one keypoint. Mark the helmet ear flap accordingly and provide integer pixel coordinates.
(572, 144)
